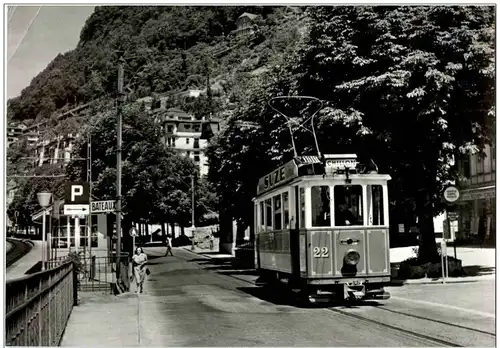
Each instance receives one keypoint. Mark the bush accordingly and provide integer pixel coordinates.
(413, 269)
(182, 240)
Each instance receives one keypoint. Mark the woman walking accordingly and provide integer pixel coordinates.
(139, 260)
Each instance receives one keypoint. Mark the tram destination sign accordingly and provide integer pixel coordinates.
(283, 174)
(340, 162)
(102, 206)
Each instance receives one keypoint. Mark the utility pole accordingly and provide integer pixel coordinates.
(89, 179)
(120, 100)
(192, 201)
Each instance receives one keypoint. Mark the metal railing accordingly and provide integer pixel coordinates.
(98, 273)
(38, 306)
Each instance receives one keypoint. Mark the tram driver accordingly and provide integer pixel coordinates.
(344, 216)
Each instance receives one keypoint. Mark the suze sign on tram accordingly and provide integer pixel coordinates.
(283, 174)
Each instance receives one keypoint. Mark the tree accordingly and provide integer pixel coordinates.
(414, 83)
(25, 200)
(153, 176)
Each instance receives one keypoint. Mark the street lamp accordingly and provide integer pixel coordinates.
(44, 201)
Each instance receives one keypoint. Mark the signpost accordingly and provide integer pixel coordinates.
(99, 207)
(133, 234)
(451, 195)
(76, 203)
(76, 199)
(76, 209)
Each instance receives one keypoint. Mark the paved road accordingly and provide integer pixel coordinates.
(22, 265)
(187, 302)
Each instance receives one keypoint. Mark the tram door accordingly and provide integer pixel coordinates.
(294, 233)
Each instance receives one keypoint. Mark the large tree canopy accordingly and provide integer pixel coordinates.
(411, 87)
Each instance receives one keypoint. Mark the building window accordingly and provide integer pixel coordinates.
(196, 143)
(196, 158)
(187, 141)
(196, 128)
(465, 164)
(170, 129)
(480, 163)
(493, 157)
(187, 126)
(188, 153)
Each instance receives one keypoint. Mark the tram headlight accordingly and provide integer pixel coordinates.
(352, 257)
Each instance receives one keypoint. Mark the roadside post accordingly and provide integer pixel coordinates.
(451, 195)
(133, 234)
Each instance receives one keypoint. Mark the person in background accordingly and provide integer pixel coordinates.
(139, 263)
(169, 246)
(212, 240)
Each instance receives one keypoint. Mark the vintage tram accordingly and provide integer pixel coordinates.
(322, 228)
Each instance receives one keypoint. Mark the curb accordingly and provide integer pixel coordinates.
(449, 281)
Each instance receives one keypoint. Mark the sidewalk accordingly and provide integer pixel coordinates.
(103, 320)
(470, 256)
(21, 266)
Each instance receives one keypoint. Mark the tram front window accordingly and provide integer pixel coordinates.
(320, 206)
(348, 205)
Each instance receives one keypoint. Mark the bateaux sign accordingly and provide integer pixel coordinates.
(102, 207)
(283, 174)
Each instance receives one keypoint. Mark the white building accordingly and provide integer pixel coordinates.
(183, 132)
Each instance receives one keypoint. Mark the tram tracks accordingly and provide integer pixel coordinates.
(396, 328)
(19, 249)
(452, 335)
(438, 321)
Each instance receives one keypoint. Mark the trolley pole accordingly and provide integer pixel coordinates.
(119, 167)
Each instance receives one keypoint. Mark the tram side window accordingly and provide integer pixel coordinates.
(269, 215)
(348, 201)
(277, 212)
(302, 208)
(286, 217)
(320, 206)
(377, 205)
(261, 220)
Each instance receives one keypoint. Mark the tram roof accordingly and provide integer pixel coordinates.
(313, 167)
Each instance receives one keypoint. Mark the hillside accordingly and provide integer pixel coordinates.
(166, 49)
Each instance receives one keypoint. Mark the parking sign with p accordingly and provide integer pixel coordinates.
(76, 193)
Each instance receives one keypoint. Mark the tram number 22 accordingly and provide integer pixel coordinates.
(320, 252)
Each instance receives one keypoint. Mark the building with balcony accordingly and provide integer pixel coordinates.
(183, 132)
(55, 150)
(14, 132)
(245, 25)
(476, 204)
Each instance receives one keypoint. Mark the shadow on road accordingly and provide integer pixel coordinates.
(285, 297)
(472, 271)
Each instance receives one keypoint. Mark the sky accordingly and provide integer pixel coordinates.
(35, 36)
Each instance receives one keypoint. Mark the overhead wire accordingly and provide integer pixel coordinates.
(24, 35)
(12, 13)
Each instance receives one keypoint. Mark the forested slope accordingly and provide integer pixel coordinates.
(167, 48)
